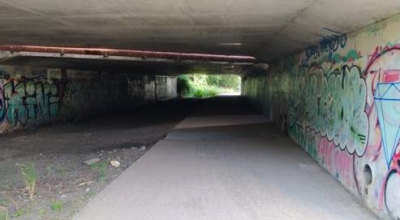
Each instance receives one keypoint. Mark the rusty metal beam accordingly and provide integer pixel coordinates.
(143, 54)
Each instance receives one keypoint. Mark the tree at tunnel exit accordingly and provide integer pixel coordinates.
(204, 86)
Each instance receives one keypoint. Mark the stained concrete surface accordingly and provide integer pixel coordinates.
(218, 174)
(254, 27)
(220, 120)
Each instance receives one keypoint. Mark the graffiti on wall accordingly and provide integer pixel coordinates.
(327, 45)
(338, 163)
(353, 115)
(382, 75)
(33, 100)
(387, 102)
(344, 110)
(335, 107)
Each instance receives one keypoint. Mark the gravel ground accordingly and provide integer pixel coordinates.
(64, 184)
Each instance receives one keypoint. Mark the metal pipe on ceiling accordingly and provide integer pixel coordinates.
(143, 54)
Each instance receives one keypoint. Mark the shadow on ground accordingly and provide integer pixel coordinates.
(63, 183)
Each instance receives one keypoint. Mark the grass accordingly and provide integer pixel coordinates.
(28, 172)
(56, 206)
(101, 167)
(4, 209)
(19, 213)
(91, 193)
(42, 213)
(4, 203)
(3, 213)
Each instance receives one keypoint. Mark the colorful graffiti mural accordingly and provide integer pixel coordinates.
(387, 102)
(327, 45)
(2, 105)
(353, 114)
(32, 96)
(34, 100)
(344, 110)
(334, 107)
(382, 75)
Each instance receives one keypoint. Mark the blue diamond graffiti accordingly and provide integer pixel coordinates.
(387, 102)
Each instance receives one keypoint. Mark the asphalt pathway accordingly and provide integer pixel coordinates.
(225, 167)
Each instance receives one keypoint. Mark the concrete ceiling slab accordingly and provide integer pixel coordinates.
(268, 29)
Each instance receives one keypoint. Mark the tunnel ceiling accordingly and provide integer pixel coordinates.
(267, 29)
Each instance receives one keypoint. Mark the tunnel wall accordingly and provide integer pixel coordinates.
(30, 97)
(340, 101)
(165, 87)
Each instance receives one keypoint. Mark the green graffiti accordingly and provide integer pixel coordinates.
(30, 100)
(351, 56)
(332, 105)
(16, 109)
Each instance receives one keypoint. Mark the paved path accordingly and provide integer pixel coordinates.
(224, 168)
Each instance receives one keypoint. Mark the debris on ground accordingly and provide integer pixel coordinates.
(91, 161)
(142, 148)
(115, 163)
(64, 184)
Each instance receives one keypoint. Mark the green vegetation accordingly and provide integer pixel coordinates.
(42, 213)
(101, 168)
(56, 206)
(204, 86)
(28, 172)
(3, 203)
(19, 213)
(3, 213)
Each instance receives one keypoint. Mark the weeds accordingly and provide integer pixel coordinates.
(101, 167)
(42, 213)
(91, 193)
(4, 209)
(205, 92)
(56, 206)
(4, 203)
(3, 213)
(19, 213)
(28, 172)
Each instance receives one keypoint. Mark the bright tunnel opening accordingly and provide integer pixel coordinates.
(206, 86)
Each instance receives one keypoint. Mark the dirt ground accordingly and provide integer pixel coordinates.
(63, 183)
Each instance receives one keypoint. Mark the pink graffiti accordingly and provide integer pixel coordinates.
(338, 163)
(2, 103)
(393, 172)
(383, 67)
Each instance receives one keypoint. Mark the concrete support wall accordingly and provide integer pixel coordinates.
(165, 87)
(340, 101)
(30, 97)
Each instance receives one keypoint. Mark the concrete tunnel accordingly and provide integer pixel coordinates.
(92, 126)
